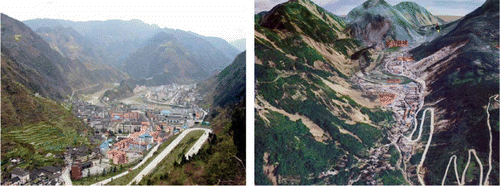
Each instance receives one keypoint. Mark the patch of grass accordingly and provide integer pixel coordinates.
(393, 177)
(394, 155)
(369, 134)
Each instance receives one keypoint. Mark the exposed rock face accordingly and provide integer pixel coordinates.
(376, 20)
(371, 29)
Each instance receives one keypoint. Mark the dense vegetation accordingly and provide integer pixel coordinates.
(232, 82)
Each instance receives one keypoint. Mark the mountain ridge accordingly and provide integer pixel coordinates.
(376, 21)
(117, 39)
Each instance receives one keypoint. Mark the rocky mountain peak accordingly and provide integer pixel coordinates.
(373, 3)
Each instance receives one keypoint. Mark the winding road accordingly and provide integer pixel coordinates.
(419, 167)
(461, 180)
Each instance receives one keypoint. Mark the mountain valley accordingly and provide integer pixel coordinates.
(86, 93)
(388, 107)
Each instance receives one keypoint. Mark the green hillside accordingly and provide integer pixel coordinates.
(417, 14)
(33, 126)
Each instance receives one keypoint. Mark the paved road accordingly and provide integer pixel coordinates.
(419, 166)
(197, 146)
(164, 154)
(473, 151)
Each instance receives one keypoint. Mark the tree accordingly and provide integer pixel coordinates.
(103, 172)
(88, 172)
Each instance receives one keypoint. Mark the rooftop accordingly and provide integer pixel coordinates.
(19, 172)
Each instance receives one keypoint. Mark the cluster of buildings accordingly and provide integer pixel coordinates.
(136, 142)
(48, 175)
(88, 112)
(386, 98)
(172, 94)
(376, 163)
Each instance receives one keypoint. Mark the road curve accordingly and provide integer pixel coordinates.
(165, 152)
(473, 151)
(420, 179)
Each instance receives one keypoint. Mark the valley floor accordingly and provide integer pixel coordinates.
(406, 99)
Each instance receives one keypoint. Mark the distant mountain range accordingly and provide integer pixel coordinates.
(175, 57)
(117, 39)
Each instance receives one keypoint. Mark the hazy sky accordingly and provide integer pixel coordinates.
(342, 7)
(219, 18)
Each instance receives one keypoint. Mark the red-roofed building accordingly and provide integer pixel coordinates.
(123, 144)
(118, 156)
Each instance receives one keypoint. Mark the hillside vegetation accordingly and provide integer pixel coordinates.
(33, 127)
(309, 118)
